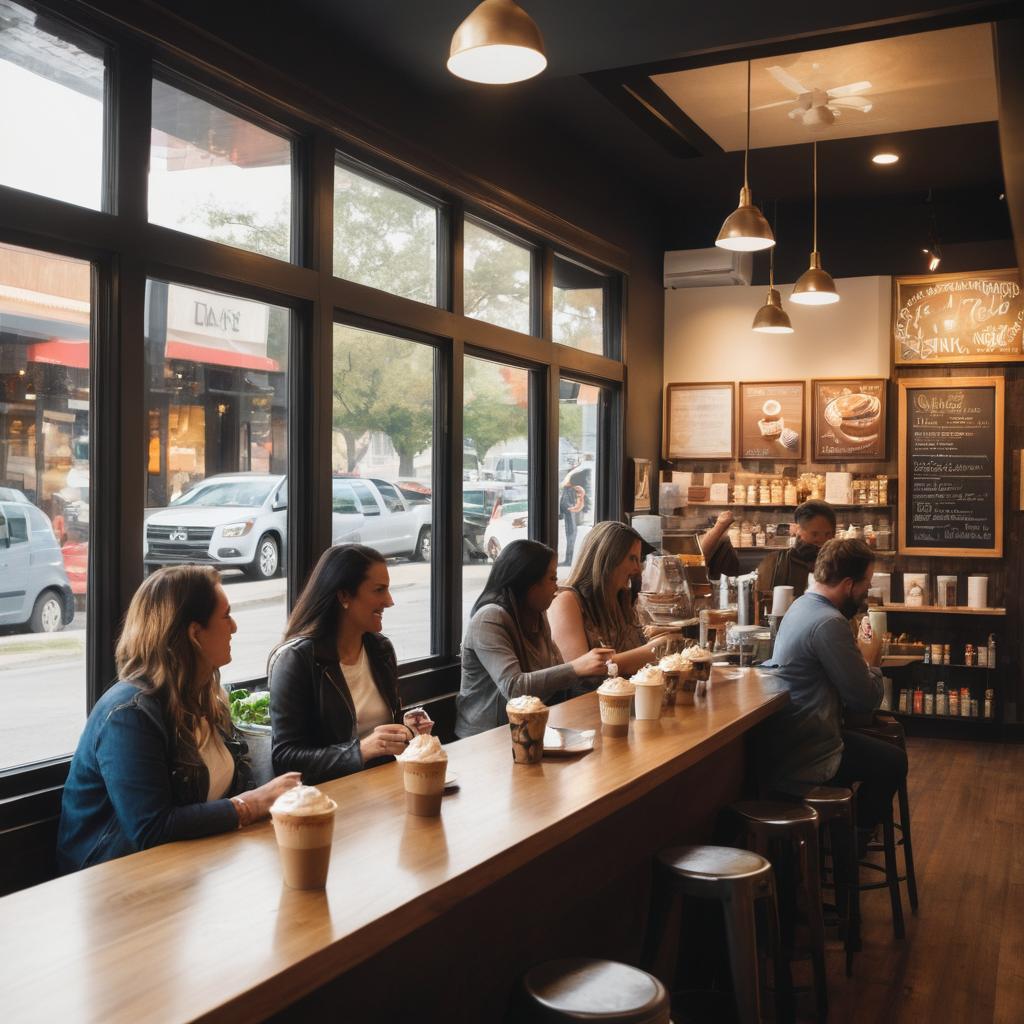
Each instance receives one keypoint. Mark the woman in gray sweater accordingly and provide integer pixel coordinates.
(507, 650)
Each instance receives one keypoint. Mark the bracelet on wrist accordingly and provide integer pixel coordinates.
(243, 810)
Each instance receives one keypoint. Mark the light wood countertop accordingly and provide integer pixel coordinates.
(205, 929)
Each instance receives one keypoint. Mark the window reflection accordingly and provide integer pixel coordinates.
(497, 278)
(580, 307)
(44, 501)
(216, 490)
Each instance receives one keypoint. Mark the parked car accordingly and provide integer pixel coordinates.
(481, 502)
(511, 467)
(231, 521)
(510, 522)
(35, 591)
(375, 512)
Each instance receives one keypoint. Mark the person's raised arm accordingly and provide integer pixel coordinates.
(858, 683)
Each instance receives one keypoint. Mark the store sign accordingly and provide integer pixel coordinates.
(215, 321)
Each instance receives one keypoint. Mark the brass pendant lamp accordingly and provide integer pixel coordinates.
(746, 229)
(498, 44)
(771, 318)
(815, 286)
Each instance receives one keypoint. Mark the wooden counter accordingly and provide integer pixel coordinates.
(205, 929)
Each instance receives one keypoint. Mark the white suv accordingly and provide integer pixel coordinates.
(231, 521)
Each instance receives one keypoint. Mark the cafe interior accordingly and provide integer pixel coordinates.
(514, 271)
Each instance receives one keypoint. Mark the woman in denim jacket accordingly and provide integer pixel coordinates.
(159, 759)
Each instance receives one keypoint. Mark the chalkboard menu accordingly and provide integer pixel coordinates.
(958, 318)
(951, 466)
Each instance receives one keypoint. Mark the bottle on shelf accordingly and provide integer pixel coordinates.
(991, 650)
(989, 701)
(790, 493)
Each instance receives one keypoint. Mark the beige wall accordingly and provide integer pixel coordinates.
(708, 335)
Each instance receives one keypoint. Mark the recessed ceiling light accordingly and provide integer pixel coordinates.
(885, 158)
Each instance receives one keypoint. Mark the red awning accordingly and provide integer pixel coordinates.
(223, 357)
(60, 353)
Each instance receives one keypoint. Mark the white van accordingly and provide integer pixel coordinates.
(510, 468)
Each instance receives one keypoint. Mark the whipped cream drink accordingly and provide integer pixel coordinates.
(527, 720)
(304, 826)
(614, 697)
(424, 766)
(675, 669)
(650, 692)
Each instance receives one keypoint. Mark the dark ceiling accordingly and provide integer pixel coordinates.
(407, 41)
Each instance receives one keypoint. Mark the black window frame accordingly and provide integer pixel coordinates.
(124, 249)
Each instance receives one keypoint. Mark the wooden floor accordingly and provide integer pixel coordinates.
(963, 956)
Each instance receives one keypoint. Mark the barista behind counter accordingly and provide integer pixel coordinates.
(815, 524)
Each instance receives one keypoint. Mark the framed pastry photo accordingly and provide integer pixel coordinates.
(848, 418)
(771, 420)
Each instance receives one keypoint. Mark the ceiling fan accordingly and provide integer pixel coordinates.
(818, 108)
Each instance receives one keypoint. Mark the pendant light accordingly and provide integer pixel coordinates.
(745, 229)
(815, 286)
(771, 318)
(498, 44)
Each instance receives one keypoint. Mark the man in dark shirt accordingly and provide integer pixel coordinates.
(815, 524)
(825, 671)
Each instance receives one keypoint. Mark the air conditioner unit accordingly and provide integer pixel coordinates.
(703, 268)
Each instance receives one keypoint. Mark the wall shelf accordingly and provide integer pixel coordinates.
(945, 718)
(769, 507)
(932, 609)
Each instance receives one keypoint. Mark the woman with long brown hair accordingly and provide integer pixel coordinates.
(334, 704)
(159, 759)
(594, 608)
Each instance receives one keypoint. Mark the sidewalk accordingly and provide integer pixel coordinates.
(70, 642)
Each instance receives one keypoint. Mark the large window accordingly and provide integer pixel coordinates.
(52, 84)
(498, 276)
(218, 176)
(217, 493)
(496, 467)
(384, 237)
(382, 446)
(580, 307)
(582, 409)
(44, 502)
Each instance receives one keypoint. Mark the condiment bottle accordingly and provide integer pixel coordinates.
(965, 702)
(991, 650)
(954, 702)
(790, 493)
(929, 704)
(918, 701)
(989, 695)
(776, 488)
(941, 701)
(751, 494)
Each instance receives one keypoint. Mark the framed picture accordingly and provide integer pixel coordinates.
(972, 317)
(699, 421)
(772, 420)
(641, 485)
(848, 419)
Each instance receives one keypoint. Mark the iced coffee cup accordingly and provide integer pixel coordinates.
(527, 720)
(701, 660)
(675, 669)
(304, 826)
(424, 766)
(614, 697)
(650, 691)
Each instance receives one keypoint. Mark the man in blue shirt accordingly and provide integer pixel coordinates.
(825, 670)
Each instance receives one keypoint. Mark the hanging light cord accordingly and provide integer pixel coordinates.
(746, 152)
(771, 251)
(815, 249)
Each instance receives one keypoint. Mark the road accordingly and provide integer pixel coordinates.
(42, 676)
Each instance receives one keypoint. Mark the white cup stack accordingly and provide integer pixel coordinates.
(782, 598)
(977, 591)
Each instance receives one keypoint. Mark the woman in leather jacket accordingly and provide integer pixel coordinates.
(159, 759)
(334, 704)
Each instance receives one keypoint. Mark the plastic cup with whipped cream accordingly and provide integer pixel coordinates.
(677, 671)
(614, 697)
(303, 820)
(527, 720)
(424, 766)
(700, 658)
(650, 692)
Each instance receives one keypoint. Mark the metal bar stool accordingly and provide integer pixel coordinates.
(887, 728)
(787, 834)
(837, 815)
(738, 880)
(597, 991)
